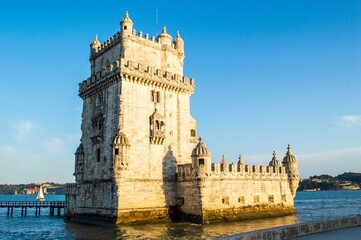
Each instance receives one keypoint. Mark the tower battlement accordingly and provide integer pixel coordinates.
(232, 171)
(136, 72)
(136, 36)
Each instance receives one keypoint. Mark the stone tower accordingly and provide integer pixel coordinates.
(291, 164)
(137, 162)
(136, 128)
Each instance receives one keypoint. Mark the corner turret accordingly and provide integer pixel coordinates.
(179, 44)
(126, 25)
(120, 154)
(79, 163)
(291, 164)
(201, 158)
(94, 45)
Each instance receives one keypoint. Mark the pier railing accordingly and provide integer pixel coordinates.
(24, 205)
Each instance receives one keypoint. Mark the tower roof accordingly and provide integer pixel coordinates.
(201, 149)
(121, 139)
(126, 19)
(178, 37)
(164, 34)
(289, 155)
(274, 161)
(95, 43)
(80, 149)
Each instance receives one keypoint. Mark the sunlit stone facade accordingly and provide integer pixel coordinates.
(139, 161)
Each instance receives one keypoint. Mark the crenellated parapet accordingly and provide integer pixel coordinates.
(160, 42)
(146, 75)
(133, 72)
(201, 168)
(233, 172)
(99, 81)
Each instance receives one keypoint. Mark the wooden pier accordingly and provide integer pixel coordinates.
(24, 205)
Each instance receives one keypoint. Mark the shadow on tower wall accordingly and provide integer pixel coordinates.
(169, 173)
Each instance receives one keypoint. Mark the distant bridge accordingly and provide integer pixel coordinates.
(24, 205)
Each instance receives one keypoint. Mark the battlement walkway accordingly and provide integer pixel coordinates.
(24, 205)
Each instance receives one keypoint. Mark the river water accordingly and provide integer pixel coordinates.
(310, 206)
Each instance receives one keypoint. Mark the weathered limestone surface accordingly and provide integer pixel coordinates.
(137, 160)
(297, 230)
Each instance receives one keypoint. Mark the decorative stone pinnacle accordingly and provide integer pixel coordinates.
(170, 151)
(96, 37)
(274, 155)
(240, 159)
(200, 139)
(223, 161)
(289, 149)
(126, 18)
(164, 30)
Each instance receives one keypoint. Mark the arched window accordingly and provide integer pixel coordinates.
(158, 97)
(157, 127)
(155, 96)
(98, 154)
(161, 125)
(152, 97)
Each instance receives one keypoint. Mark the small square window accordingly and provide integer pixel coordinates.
(116, 151)
(271, 199)
(241, 200)
(225, 200)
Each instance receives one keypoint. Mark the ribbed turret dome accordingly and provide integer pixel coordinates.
(80, 149)
(121, 139)
(289, 155)
(201, 149)
(275, 161)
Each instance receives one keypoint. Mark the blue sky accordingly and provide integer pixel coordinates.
(268, 73)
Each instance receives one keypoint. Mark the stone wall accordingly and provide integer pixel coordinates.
(297, 230)
(234, 192)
